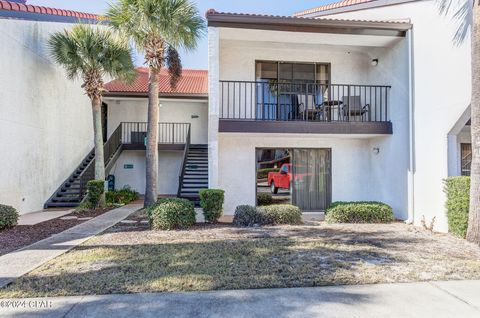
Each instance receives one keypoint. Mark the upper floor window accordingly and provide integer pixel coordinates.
(292, 72)
(281, 85)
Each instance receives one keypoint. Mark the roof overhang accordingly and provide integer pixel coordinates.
(308, 25)
(336, 8)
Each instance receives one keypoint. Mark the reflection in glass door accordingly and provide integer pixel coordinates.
(311, 170)
(298, 176)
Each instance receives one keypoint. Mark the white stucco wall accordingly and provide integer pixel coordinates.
(45, 120)
(135, 110)
(169, 165)
(171, 111)
(442, 86)
(358, 173)
(352, 179)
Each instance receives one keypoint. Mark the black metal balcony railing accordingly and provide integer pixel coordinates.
(134, 133)
(168, 133)
(273, 101)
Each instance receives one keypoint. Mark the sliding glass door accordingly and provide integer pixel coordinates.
(299, 176)
(281, 86)
(312, 179)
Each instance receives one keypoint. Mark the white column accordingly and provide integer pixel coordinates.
(213, 108)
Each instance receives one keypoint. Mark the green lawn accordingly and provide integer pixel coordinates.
(129, 259)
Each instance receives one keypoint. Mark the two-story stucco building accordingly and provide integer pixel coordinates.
(354, 101)
(358, 100)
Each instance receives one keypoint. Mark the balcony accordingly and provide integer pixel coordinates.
(171, 136)
(272, 107)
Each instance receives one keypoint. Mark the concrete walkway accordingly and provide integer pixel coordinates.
(22, 261)
(42, 216)
(438, 299)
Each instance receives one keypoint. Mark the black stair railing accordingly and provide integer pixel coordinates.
(184, 164)
(109, 149)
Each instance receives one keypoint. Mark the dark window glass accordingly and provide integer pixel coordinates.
(266, 71)
(466, 162)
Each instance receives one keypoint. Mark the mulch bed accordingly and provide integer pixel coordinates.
(24, 235)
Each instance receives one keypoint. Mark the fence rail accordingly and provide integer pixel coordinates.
(273, 101)
(168, 133)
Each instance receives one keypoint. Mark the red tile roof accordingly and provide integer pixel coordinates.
(28, 8)
(192, 82)
(331, 6)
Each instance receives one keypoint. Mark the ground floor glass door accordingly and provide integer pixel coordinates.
(311, 183)
(301, 177)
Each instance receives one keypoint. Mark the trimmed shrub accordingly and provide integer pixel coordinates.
(95, 189)
(359, 212)
(8, 216)
(279, 214)
(245, 215)
(123, 196)
(264, 199)
(211, 201)
(170, 214)
(458, 204)
(263, 173)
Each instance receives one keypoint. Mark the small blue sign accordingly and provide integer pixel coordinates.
(128, 166)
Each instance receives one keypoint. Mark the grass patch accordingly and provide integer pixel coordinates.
(222, 257)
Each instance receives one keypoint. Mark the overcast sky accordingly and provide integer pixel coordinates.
(198, 58)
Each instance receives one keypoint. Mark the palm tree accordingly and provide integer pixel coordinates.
(470, 20)
(90, 53)
(158, 28)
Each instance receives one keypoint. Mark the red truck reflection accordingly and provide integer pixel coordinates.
(283, 178)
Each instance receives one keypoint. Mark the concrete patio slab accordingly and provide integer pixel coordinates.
(384, 300)
(22, 261)
(41, 216)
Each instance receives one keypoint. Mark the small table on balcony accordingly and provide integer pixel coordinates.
(332, 109)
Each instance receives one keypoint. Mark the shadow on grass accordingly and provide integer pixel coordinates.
(271, 262)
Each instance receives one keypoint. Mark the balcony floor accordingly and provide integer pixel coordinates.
(305, 127)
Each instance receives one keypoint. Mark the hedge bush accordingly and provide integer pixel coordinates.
(245, 215)
(279, 214)
(264, 199)
(123, 196)
(359, 212)
(8, 216)
(263, 173)
(95, 190)
(211, 201)
(458, 204)
(170, 214)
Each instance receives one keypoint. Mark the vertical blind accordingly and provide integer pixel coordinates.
(311, 170)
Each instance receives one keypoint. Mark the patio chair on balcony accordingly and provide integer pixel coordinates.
(310, 108)
(352, 107)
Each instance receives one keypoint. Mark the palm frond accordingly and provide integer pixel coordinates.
(461, 12)
(176, 22)
(86, 51)
(174, 65)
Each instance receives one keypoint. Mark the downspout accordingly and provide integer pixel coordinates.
(411, 109)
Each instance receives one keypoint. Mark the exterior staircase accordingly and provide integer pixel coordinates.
(69, 193)
(73, 190)
(194, 173)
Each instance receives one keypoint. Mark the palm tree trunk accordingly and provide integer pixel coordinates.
(98, 136)
(473, 232)
(152, 140)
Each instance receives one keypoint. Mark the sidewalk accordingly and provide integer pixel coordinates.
(22, 261)
(435, 299)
